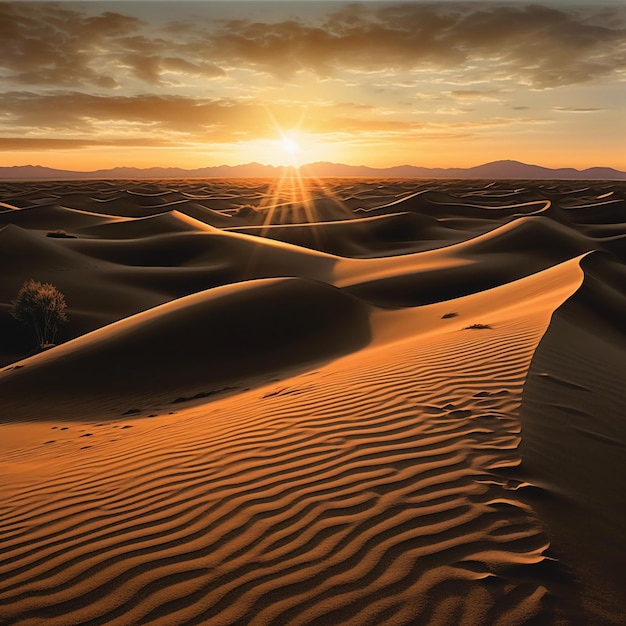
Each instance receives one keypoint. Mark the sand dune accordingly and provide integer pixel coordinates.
(348, 402)
(49, 216)
(196, 344)
(398, 233)
(575, 394)
(137, 228)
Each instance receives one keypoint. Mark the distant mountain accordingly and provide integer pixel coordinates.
(494, 170)
(37, 172)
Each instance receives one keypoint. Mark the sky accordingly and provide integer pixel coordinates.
(89, 85)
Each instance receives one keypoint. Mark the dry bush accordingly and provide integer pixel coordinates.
(60, 234)
(42, 306)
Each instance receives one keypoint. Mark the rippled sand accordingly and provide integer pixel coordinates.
(315, 402)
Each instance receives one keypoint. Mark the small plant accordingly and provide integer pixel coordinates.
(246, 211)
(42, 306)
(477, 327)
(447, 316)
(60, 234)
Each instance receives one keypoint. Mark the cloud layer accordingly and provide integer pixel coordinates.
(77, 74)
(49, 44)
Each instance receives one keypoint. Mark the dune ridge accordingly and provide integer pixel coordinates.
(409, 413)
(575, 394)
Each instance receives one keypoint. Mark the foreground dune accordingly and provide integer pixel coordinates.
(409, 412)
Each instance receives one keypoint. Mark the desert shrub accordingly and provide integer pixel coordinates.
(478, 327)
(42, 306)
(60, 234)
(447, 316)
(246, 211)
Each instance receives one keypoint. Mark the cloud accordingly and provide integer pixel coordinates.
(15, 144)
(577, 109)
(154, 69)
(194, 118)
(173, 118)
(542, 46)
(78, 113)
(44, 121)
(47, 44)
(490, 95)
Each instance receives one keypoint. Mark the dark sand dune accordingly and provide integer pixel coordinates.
(136, 228)
(363, 237)
(105, 280)
(25, 250)
(609, 212)
(388, 402)
(444, 206)
(575, 395)
(49, 216)
(221, 219)
(201, 343)
(508, 252)
(208, 249)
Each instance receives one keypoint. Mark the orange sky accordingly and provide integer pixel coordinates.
(187, 84)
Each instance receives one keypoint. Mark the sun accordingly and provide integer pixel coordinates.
(290, 146)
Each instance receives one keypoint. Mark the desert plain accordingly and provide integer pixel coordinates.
(306, 402)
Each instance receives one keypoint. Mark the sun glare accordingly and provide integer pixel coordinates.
(290, 146)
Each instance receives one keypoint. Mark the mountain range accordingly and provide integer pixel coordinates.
(496, 169)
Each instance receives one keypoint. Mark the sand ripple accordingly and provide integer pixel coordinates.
(285, 436)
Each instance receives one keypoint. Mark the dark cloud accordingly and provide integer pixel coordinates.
(183, 66)
(36, 143)
(366, 44)
(15, 144)
(47, 44)
(76, 112)
(543, 46)
(52, 44)
(151, 69)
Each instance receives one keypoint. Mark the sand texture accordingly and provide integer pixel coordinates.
(304, 402)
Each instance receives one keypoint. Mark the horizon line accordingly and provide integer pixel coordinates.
(312, 163)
